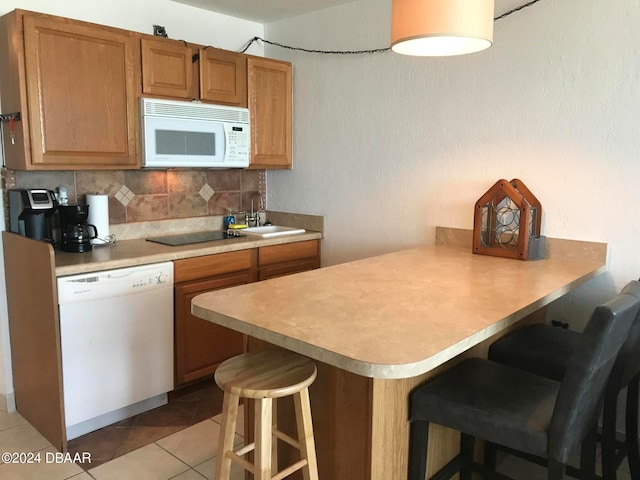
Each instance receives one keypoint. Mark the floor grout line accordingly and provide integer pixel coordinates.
(197, 472)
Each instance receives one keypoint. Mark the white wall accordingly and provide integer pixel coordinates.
(181, 22)
(388, 147)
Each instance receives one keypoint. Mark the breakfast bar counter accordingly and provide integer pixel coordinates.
(378, 327)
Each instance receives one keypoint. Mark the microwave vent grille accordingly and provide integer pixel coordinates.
(199, 111)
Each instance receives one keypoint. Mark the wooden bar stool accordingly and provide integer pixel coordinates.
(265, 376)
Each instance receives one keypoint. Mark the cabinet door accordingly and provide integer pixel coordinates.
(201, 345)
(269, 83)
(223, 76)
(81, 85)
(167, 68)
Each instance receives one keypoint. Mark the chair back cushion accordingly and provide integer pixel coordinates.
(627, 364)
(580, 396)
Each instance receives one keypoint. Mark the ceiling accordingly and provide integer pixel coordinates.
(263, 11)
(266, 11)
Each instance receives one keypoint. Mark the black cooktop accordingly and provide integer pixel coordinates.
(187, 238)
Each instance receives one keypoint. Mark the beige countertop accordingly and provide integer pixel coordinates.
(128, 253)
(402, 314)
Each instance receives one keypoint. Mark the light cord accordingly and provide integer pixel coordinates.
(362, 52)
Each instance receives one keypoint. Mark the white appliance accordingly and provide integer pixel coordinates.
(193, 134)
(116, 332)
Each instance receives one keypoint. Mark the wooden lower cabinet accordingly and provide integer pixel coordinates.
(200, 346)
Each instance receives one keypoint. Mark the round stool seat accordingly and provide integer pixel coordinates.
(266, 374)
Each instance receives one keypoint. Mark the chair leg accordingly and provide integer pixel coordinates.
(305, 434)
(490, 455)
(419, 439)
(274, 445)
(555, 470)
(263, 437)
(631, 421)
(228, 430)
(609, 447)
(588, 455)
(466, 450)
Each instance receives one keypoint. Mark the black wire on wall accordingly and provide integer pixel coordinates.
(361, 52)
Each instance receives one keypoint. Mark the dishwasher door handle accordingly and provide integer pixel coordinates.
(119, 275)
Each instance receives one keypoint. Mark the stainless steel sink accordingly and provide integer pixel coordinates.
(269, 231)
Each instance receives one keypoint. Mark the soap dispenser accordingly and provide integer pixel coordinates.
(229, 219)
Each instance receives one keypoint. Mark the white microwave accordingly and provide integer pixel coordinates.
(192, 134)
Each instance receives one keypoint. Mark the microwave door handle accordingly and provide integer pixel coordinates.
(226, 143)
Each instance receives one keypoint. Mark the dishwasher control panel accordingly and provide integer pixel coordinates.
(109, 283)
(156, 279)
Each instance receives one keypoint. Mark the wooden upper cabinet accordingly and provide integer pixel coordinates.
(167, 68)
(76, 86)
(81, 85)
(270, 107)
(171, 68)
(223, 76)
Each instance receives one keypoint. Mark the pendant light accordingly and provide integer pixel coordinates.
(441, 27)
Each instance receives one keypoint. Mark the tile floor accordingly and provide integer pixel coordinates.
(136, 448)
(187, 406)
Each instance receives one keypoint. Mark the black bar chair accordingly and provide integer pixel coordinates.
(545, 350)
(523, 411)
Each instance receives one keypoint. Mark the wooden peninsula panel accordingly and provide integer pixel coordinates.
(34, 329)
(379, 327)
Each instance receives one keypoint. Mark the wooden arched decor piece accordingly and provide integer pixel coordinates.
(506, 222)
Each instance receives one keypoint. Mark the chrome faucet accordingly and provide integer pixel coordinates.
(253, 220)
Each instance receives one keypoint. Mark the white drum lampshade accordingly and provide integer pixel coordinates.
(441, 27)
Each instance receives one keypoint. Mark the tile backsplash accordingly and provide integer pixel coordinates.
(146, 195)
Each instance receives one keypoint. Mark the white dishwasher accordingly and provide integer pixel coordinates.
(116, 336)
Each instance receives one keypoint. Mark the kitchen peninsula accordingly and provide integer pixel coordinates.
(378, 327)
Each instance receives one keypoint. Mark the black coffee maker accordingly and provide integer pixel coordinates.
(31, 211)
(75, 233)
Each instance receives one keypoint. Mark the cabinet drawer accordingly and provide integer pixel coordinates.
(287, 252)
(273, 271)
(212, 265)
